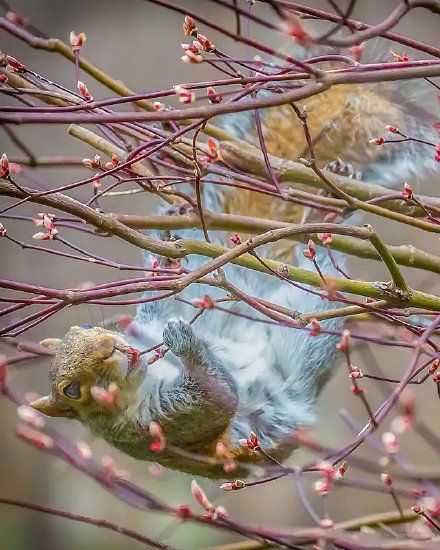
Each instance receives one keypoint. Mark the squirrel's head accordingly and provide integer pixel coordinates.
(88, 357)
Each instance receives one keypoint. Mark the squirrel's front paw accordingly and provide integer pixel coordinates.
(178, 336)
(343, 168)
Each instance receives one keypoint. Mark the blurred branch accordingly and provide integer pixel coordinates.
(90, 521)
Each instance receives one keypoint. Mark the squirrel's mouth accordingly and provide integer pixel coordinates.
(125, 358)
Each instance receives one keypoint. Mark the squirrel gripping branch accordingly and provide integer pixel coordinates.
(227, 376)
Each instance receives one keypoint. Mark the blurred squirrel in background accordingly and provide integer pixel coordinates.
(231, 383)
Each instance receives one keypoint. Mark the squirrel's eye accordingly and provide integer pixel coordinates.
(73, 390)
(85, 325)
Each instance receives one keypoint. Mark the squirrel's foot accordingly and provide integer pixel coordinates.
(178, 210)
(175, 210)
(178, 336)
(342, 168)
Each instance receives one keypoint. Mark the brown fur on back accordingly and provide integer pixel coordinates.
(341, 122)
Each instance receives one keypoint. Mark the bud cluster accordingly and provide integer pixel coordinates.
(45, 220)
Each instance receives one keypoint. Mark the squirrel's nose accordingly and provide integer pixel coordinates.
(105, 345)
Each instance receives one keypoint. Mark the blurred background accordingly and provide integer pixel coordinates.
(139, 44)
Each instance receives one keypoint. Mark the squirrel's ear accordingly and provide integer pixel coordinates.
(50, 343)
(46, 405)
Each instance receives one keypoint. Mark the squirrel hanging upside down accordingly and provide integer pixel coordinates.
(229, 376)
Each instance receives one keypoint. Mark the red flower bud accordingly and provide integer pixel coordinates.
(386, 479)
(204, 44)
(235, 239)
(316, 328)
(17, 19)
(292, 28)
(213, 97)
(325, 238)
(377, 141)
(357, 50)
(14, 63)
(82, 89)
(397, 57)
(189, 26)
(408, 192)
(214, 148)
(310, 253)
(4, 164)
(77, 40)
(200, 496)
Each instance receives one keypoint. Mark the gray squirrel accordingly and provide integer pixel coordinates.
(227, 376)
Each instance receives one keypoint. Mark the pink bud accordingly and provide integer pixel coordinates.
(397, 57)
(325, 238)
(390, 442)
(84, 450)
(235, 239)
(45, 236)
(310, 253)
(316, 328)
(159, 438)
(17, 19)
(356, 373)
(31, 416)
(213, 97)
(77, 40)
(345, 341)
(235, 486)
(214, 149)
(377, 141)
(292, 28)
(38, 439)
(392, 129)
(357, 50)
(191, 56)
(2, 230)
(204, 44)
(189, 26)
(253, 440)
(159, 106)
(92, 163)
(408, 192)
(342, 469)
(4, 163)
(14, 63)
(322, 486)
(48, 223)
(200, 496)
(185, 96)
(386, 479)
(82, 89)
